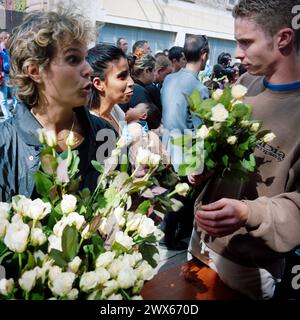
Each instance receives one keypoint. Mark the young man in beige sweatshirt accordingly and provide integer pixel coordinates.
(246, 228)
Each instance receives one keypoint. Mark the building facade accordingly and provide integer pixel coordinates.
(164, 23)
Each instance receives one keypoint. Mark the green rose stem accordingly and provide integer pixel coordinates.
(20, 262)
(26, 295)
(171, 193)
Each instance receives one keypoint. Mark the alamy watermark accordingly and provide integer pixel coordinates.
(296, 18)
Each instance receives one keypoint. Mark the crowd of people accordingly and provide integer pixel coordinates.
(50, 79)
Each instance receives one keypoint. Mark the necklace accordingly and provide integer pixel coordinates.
(73, 123)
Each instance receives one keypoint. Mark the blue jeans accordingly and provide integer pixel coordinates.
(4, 90)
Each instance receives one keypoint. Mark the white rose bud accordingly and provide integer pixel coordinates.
(3, 226)
(254, 127)
(182, 189)
(16, 218)
(115, 297)
(232, 139)
(54, 272)
(137, 298)
(85, 232)
(50, 137)
(269, 137)
(105, 259)
(4, 210)
(219, 113)
(203, 132)
(16, 237)
(73, 294)
(88, 281)
(41, 135)
(23, 206)
(145, 271)
(62, 284)
(146, 227)
(39, 255)
(245, 123)
(68, 203)
(75, 219)
(109, 287)
(115, 267)
(124, 240)
(142, 157)
(71, 140)
(75, 264)
(6, 286)
(54, 243)
(126, 277)
(133, 223)
(153, 160)
(38, 209)
(28, 280)
(238, 91)
(103, 226)
(119, 215)
(102, 275)
(216, 95)
(37, 237)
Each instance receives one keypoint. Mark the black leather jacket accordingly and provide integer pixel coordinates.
(20, 149)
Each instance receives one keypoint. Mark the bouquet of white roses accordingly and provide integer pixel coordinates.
(74, 244)
(226, 139)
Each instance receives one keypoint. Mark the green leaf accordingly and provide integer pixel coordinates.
(58, 258)
(225, 159)
(43, 183)
(124, 163)
(176, 205)
(30, 260)
(250, 164)
(4, 255)
(98, 244)
(183, 140)
(241, 110)
(207, 105)
(194, 100)
(98, 166)
(37, 296)
(144, 207)
(113, 197)
(226, 97)
(148, 251)
(74, 166)
(70, 242)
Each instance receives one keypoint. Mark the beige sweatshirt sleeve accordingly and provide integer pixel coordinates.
(276, 220)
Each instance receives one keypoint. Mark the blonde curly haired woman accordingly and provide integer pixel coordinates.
(52, 78)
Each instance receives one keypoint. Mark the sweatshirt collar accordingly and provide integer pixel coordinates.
(282, 87)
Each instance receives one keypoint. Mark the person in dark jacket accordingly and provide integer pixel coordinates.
(49, 69)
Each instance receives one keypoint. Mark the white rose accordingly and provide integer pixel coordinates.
(238, 91)
(146, 227)
(74, 264)
(105, 259)
(126, 277)
(153, 160)
(216, 95)
(85, 232)
(23, 206)
(16, 218)
(119, 215)
(138, 286)
(75, 219)
(28, 280)
(255, 126)
(128, 260)
(54, 272)
(139, 297)
(133, 223)
(203, 132)
(232, 139)
(102, 275)
(217, 126)
(4, 210)
(145, 271)
(245, 123)
(182, 189)
(88, 281)
(142, 157)
(39, 255)
(71, 140)
(3, 226)
(41, 135)
(37, 237)
(50, 137)
(115, 297)
(124, 240)
(219, 113)
(54, 243)
(38, 209)
(73, 294)
(110, 287)
(68, 203)
(115, 267)
(269, 137)
(62, 284)
(103, 226)
(16, 237)
(59, 227)
(6, 286)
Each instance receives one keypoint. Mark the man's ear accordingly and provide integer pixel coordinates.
(285, 38)
(98, 84)
(34, 73)
(144, 115)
